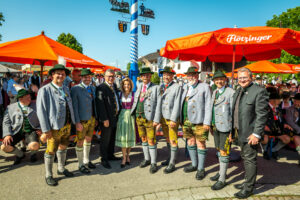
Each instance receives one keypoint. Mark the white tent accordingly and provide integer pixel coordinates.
(4, 69)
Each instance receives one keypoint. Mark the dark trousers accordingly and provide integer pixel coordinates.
(107, 142)
(249, 155)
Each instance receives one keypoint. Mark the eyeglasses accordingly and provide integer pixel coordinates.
(113, 76)
(243, 78)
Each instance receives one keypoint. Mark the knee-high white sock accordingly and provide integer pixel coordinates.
(146, 150)
(153, 154)
(201, 158)
(79, 153)
(86, 152)
(61, 159)
(48, 159)
(224, 160)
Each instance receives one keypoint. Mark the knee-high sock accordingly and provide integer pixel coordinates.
(48, 159)
(193, 154)
(17, 152)
(86, 152)
(173, 155)
(278, 146)
(298, 150)
(61, 159)
(146, 150)
(153, 153)
(201, 158)
(79, 153)
(224, 160)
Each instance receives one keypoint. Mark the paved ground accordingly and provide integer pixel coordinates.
(276, 180)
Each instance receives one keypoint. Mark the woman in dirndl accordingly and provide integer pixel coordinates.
(125, 136)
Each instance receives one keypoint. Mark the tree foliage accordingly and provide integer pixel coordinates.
(289, 19)
(139, 66)
(69, 40)
(155, 78)
(1, 20)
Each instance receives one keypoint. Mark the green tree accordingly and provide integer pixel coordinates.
(139, 66)
(289, 19)
(69, 40)
(155, 78)
(1, 20)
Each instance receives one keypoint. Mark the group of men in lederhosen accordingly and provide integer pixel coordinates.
(228, 115)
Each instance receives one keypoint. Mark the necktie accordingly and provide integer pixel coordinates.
(143, 93)
(166, 86)
(61, 91)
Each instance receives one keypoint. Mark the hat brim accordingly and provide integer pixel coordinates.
(214, 77)
(66, 70)
(166, 72)
(20, 96)
(192, 72)
(147, 73)
(87, 74)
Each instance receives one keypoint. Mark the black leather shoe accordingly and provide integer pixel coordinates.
(66, 173)
(51, 181)
(127, 163)
(200, 174)
(218, 185)
(122, 165)
(189, 169)
(153, 168)
(19, 159)
(275, 155)
(145, 163)
(114, 158)
(239, 186)
(33, 158)
(171, 168)
(266, 156)
(243, 194)
(90, 165)
(166, 162)
(83, 169)
(105, 164)
(215, 177)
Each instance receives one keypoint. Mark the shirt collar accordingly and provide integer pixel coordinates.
(111, 85)
(84, 85)
(56, 86)
(22, 106)
(221, 89)
(148, 84)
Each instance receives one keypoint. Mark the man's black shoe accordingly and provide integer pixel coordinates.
(275, 155)
(166, 162)
(200, 174)
(243, 194)
(83, 169)
(239, 186)
(51, 181)
(90, 165)
(105, 164)
(215, 177)
(145, 163)
(19, 159)
(33, 158)
(114, 158)
(266, 155)
(218, 185)
(153, 168)
(190, 168)
(171, 168)
(66, 173)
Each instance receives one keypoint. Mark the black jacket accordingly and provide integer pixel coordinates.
(106, 105)
(253, 111)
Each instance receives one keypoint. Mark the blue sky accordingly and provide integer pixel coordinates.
(96, 27)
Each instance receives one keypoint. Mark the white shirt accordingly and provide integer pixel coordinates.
(112, 86)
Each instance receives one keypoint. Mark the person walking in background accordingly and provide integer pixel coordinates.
(125, 136)
(108, 108)
(35, 79)
(250, 114)
(11, 90)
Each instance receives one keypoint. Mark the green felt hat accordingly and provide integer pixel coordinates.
(192, 69)
(86, 71)
(119, 73)
(145, 70)
(168, 70)
(59, 67)
(22, 93)
(218, 74)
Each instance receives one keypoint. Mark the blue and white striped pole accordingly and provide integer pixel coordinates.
(134, 70)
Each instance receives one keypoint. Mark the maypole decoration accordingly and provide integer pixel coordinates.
(123, 8)
(134, 70)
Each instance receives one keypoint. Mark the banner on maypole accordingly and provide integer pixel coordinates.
(145, 29)
(122, 26)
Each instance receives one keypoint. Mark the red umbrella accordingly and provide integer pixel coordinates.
(232, 44)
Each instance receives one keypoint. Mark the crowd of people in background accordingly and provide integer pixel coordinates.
(253, 113)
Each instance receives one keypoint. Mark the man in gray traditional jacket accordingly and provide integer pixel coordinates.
(167, 113)
(83, 99)
(221, 107)
(196, 119)
(55, 113)
(21, 122)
